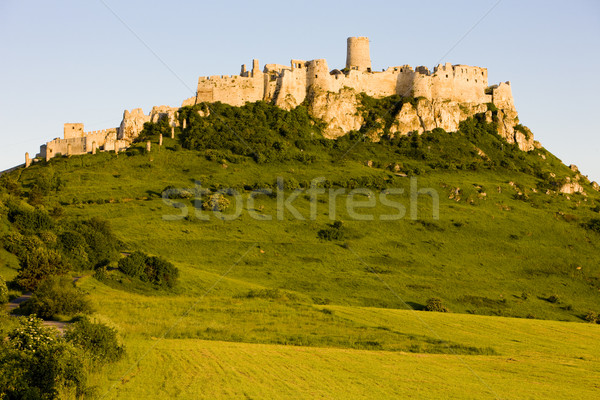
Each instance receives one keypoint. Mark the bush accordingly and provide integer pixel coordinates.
(553, 299)
(38, 264)
(134, 264)
(216, 202)
(3, 291)
(30, 221)
(35, 363)
(435, 304)
(155, 270)
(57, 296)
(592, 317)
(593, 225)
(334, 231)
(98, 341)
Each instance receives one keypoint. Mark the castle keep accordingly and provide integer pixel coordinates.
(445, 96)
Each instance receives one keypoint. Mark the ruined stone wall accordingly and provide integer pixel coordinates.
(460, 83)
(73, 130)
(502, 96)
(235, 90)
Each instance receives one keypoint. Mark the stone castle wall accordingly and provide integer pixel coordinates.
(76, 141)
(288, 86)
(443, 93)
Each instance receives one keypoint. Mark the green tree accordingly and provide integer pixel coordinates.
(38, 264)
(98, 341)
(58, 296)
(35, 363)
(3, 290)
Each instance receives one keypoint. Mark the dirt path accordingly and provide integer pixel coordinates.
(17, 302)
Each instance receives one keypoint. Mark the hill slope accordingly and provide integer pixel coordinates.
(506, 243)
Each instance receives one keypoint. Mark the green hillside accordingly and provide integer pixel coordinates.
(320, 302)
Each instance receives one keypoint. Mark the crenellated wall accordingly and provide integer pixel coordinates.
(76, 141)
(288, 86)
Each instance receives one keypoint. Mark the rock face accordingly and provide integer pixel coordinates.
(134, 120)
(571, 187)
(339, 111)
(132, 124)
(596, 186)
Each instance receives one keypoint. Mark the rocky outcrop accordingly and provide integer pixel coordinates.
(507, 120)
(596, 186)
(571, 187)
(159, 112)
(132, 124)
(339, 111)
(134, 120)
(406, 121)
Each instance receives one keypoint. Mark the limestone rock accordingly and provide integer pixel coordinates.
(132, 124)
(596, 186)
(425, 113)
(287, 102)
(574, 168)
(407, 120)
(571, 188)
(159, 112)
(338, 110)
(507, 120)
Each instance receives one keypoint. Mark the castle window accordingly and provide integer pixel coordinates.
(316, 76)
(475, 80)
(481, 73)
(446, 75)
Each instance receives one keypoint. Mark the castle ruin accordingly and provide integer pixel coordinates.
(445, 96)
(288, 86)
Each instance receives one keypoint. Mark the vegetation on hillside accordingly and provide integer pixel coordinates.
(506, 244)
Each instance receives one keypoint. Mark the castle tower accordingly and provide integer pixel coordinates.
(358, 56)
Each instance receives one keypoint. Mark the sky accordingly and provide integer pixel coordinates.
(88, 61)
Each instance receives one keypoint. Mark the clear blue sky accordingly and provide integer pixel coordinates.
(74, 61)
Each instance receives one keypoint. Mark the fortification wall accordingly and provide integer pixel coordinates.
(73, 130)
(235, 90)
(56, 146)
(461, 83)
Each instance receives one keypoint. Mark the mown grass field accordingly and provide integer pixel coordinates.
(267, 309)
(537, 360)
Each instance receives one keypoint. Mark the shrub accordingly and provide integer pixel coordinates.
(435, 304)
(98, 341)
(38, 264)
(155, 270)
(35, 363)
(593, 225)
(30, 221)
(216, 202)
(3, 291)
(334, 231)
(57, 296)
(134, 264)
(592, 317)
(553, 298)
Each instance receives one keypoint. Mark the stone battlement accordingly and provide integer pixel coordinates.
(288, 86)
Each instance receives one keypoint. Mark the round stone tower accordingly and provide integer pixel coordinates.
(358, 56)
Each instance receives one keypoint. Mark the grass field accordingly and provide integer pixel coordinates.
(538, 360)
(267, 309)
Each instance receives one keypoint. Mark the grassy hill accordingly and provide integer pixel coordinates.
(326, 311)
